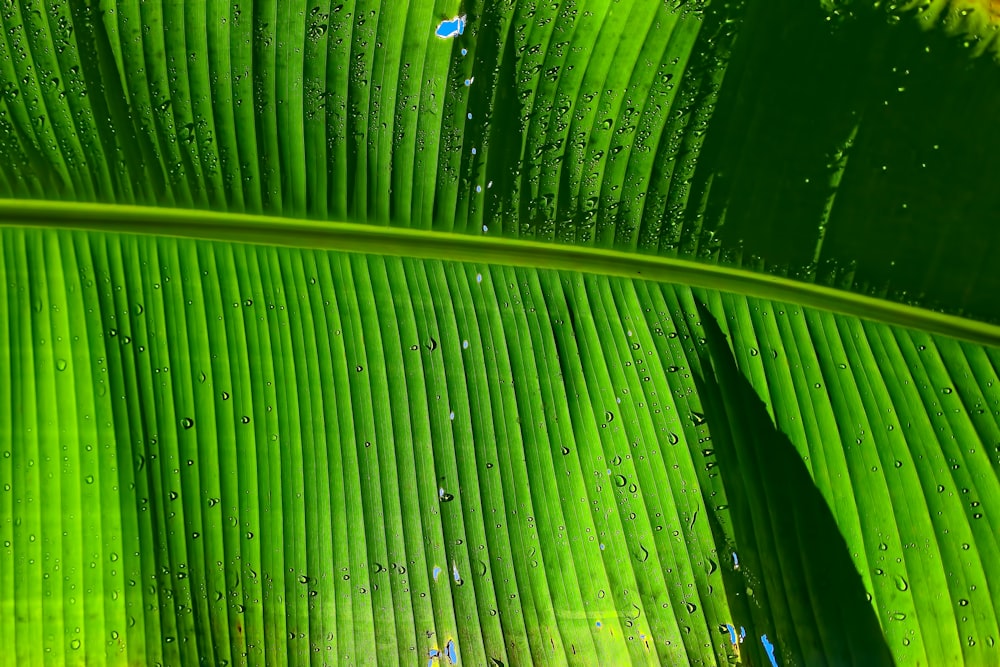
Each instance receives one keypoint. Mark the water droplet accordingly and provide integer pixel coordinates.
(963, 603)
(60, 364)
(901, 583)
(691, 607)
(89, 479)
(187, 422)
(899, 616)
(75, 644)
(565, 451)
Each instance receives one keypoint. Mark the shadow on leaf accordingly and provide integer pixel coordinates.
(793, 579)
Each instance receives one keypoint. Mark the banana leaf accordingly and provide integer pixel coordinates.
(498, 333)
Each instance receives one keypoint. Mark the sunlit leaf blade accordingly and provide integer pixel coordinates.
(370, 457)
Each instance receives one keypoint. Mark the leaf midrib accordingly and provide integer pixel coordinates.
(427, 244)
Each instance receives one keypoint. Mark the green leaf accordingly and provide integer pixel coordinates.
(324, 339)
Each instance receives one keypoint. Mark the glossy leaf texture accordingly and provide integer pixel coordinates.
(240, 453)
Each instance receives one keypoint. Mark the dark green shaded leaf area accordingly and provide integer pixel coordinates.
(841, 149)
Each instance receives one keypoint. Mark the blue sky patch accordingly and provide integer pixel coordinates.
(451, 28)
